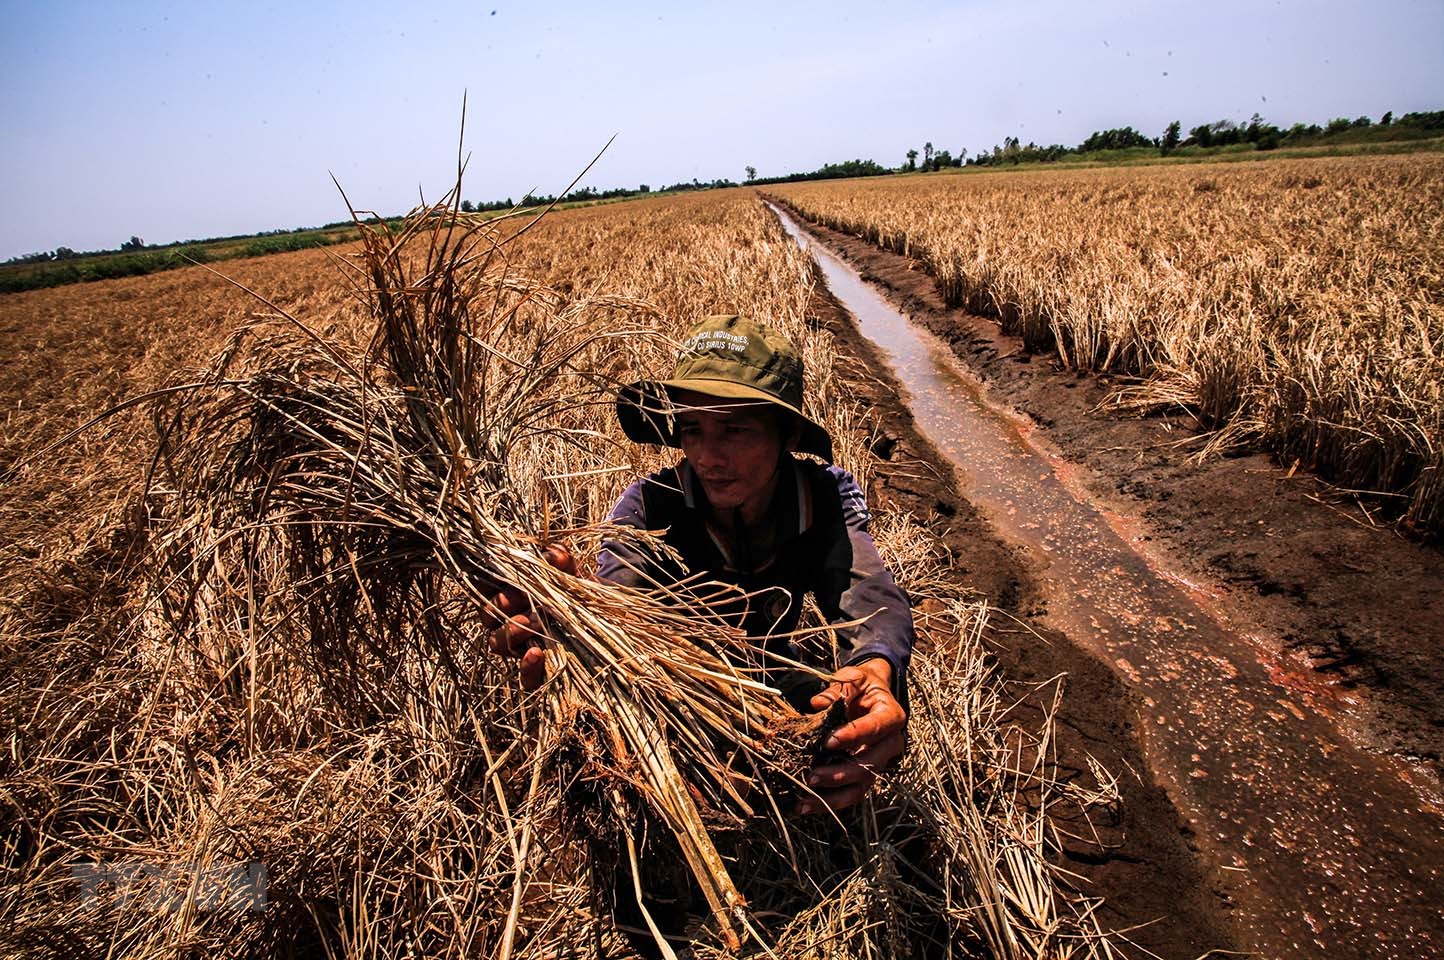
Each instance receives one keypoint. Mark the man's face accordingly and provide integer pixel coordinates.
(734, 447)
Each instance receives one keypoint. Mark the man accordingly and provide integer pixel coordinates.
(741, 509)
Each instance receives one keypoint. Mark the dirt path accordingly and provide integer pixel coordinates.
(1324, 844)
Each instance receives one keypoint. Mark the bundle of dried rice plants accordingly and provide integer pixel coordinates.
(360, 513)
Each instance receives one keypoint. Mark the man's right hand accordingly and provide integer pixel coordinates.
(519, 633)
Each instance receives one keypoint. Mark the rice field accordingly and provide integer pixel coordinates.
(1297, 304)
(244, 627)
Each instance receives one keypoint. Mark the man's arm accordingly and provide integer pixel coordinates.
(876, 654)
(866, 588)
(874, 736)
(624, 563)
(517, 634)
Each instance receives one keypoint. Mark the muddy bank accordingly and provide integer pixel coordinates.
(1147, 871)
(1352, 606)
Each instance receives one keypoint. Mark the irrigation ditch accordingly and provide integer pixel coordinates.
(1280, 775)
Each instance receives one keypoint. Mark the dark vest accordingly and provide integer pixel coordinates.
(811, 551)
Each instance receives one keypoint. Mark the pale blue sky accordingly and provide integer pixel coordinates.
(187, 120)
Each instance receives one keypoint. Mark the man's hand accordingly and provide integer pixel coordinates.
(518, 634)
(873, 735)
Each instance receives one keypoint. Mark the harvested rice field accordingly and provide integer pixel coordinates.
(253, 711)
(1296, 304)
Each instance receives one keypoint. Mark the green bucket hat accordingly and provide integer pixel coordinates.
(731, 358)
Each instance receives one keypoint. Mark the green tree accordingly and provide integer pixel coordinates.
(44, 256)
(928, 155)
(134, 243)
(1172, 136)
(751, 173)
(1118, 139)
(1387, 118)
(912, 163)
(1427, 120)
(468, 207)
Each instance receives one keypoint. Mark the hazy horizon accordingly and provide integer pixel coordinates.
(174, 122)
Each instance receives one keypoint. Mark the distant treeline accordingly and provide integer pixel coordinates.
(1220, 135)
(64, 265)
(267, 241)
(830, 171)
(588, 195)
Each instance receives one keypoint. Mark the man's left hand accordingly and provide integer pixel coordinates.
(873, 735)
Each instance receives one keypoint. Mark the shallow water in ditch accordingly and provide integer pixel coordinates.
(1330, 849)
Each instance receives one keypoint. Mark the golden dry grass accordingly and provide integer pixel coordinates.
(76, 350)
(1297, 303)
(273, 651)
